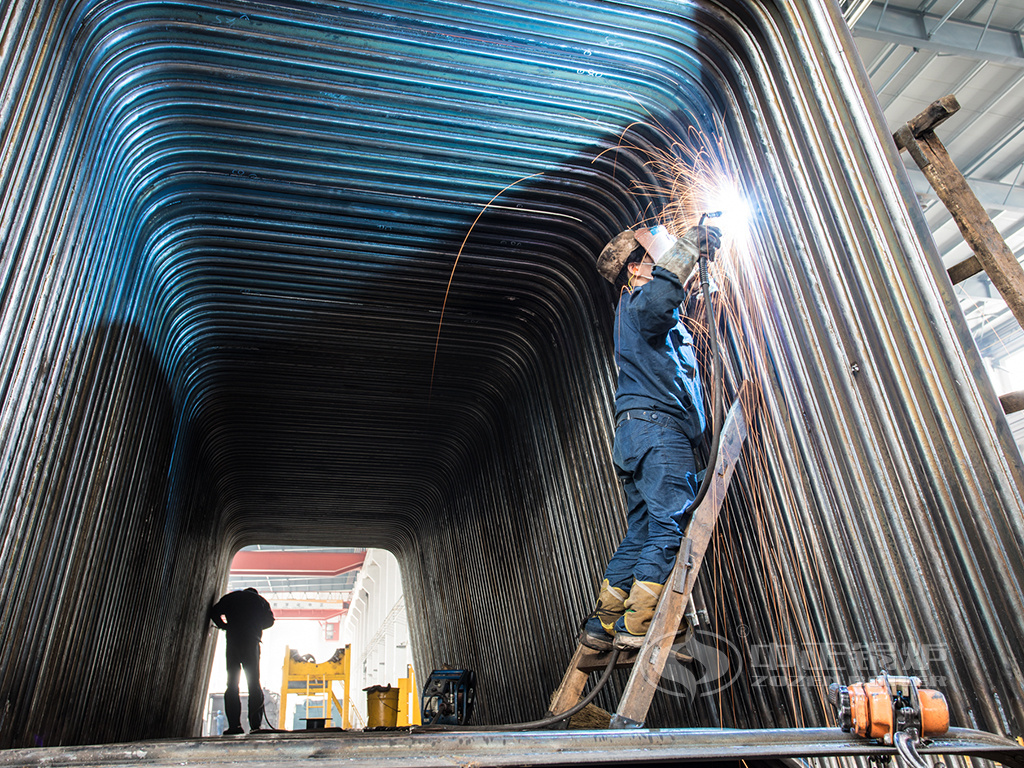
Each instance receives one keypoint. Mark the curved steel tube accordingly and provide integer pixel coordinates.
(228, 232)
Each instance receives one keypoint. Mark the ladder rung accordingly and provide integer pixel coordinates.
(599, 661)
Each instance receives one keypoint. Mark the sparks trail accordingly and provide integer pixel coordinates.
(787, 612)
(684, 204)
(451, 277)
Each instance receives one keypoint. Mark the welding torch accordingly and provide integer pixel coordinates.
(703, 217)
(717, 382)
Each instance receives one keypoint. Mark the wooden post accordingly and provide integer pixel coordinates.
(1012, 402)
(992, 254)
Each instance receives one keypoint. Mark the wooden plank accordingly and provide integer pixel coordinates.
(967, 211)
(969, 267)
(568, 692)
(1012, 402)
(977, 228)
(934, 115)
(599, 662)
(654, 653)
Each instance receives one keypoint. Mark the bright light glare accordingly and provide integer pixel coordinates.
(736, 212)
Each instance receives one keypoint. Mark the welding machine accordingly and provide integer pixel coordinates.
(448, 697)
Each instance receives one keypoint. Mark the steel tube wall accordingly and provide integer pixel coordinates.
(292, 272)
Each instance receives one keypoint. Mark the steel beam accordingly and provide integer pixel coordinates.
(928, 32)
(296, 562)
(993, 195)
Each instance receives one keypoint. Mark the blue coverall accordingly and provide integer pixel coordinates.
(659, 415)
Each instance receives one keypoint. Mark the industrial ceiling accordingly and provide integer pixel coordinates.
(917, 52)
(317, 274)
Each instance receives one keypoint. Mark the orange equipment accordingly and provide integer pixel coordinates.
(887, 706)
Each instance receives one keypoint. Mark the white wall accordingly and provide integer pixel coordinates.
(377, 627)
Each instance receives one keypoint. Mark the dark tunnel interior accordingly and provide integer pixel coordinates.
(294, 272)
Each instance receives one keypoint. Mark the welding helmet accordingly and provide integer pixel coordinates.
(614, 255)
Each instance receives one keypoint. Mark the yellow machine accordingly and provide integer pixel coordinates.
(408, 700)
(304, 677)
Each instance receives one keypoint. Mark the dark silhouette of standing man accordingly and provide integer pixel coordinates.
(243, 615)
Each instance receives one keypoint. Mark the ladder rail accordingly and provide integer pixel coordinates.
(647, 671)
(649, 663)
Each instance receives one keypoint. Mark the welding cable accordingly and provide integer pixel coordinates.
(535, 725)
(263, 714)
(905, 744)
(716, 380)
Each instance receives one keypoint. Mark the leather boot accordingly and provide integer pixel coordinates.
(597, 632)
(636, 620)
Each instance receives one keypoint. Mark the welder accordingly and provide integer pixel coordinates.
(243, 614)
(659, 417)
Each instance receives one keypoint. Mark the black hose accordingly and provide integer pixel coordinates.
(906, 746)
(537, 724)
(716, 379)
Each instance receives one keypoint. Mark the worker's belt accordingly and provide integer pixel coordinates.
(655, 417)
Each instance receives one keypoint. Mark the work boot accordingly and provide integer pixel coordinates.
(597, 632)
(234, 730)
(636, 620)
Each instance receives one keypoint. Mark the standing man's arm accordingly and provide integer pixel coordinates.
(216, 615)
(683, 255)
(655, 305)
(268, 614)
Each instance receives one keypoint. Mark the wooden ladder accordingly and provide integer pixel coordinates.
(657, 646)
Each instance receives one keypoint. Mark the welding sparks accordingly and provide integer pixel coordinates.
(755, 541)
(451, 277)
(734, 210)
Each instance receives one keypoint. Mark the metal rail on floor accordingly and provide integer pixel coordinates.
(498, 748)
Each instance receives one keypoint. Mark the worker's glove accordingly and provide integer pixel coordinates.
(681, 257)
(707, 239)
